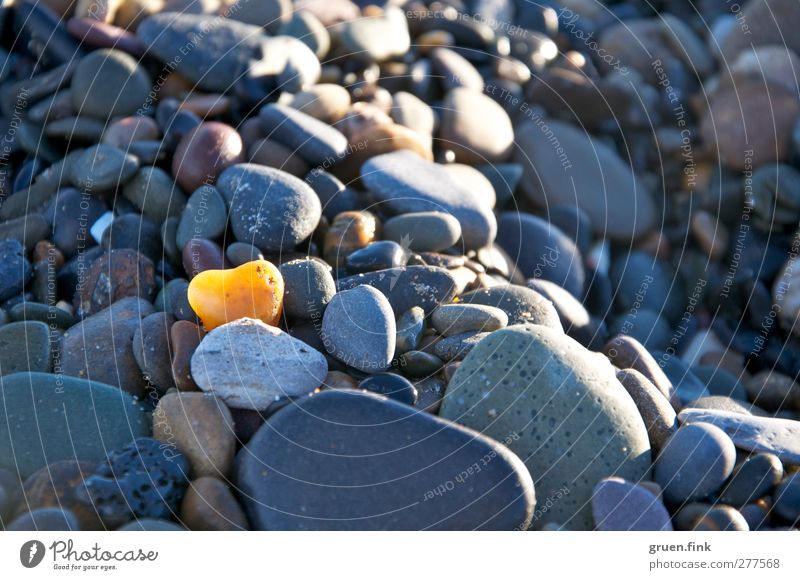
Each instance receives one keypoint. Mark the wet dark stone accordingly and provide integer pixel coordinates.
(145, 479)
(73, 214)
(376, 256)
(752, 479)
(392, 386)
(423, 286)
(134, 232)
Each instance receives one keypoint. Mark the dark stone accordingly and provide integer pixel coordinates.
(392, 386)
(25, 346)
(15, 269)
(376, 256)
(423, 286)
(308, 288)
(752, 479)
(316, 142)
(115, 275)
(45, 520)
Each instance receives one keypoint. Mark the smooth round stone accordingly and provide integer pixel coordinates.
(239, 253)
(694, 463)
(585, 172)
(185, 337)
(38, 409)
(641, 279)
(307, 27)
(134, 232)
(69, 208)
(98, 34)
(199, 255)
(343, 460)
(308, 288)
(52, 487)
(376, 256)
(722, 519)
(734, 123)
(25, 346)
(126, 131)
(403, 182)
(209, 506)
(752, 479)
(626, 352)
(15, 269)
(622, 506)
(151, 349)
(646, 326)
(687, 386)
(316, 142)
(268, 14)
(100, 347)
(787, 498)
(214, 65)
(431, 231)
(392, 386)
(45, 520)
(412, 112)
(454, 71)
(574, 318)
(249, 364)
(756, 515)
(334, 196)
(269, 208)
(458, 346)
(556, 405)
(102, 168)
(377, 38)
(114, 275)
(273, 154)
(296, 65)
(475, 127)
(27, 230)
(772, 391)
(201, 428)
(50, 315)
(423, 286)
(522, 305)
(204, 217)
(109, 83)
(451, 319)
(419, 365)
(470, 178)
(410, 326)
(358, 328)
(150, 525)
(154, 193)
(658, 415)
(555, 257)
(204, 153)
(720, 382)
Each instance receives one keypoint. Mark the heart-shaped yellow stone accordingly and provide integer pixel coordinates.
(253, 290)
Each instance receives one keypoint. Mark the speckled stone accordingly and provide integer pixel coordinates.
(308, 288)
(431, 231)
(559, 407)
(658, 415)
(451, 319)
(521, 304)
(409, 286)
(316, 142)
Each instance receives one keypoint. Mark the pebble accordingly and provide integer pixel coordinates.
(458, 346)
(410, 326)
(377, 256)
(308, 288)
(773, 391)
(127, 130)
(140, 480)
(204, 216)
(45, 520)
(269, 208)
(376, 38)
(307, 27)
(100, 347)
(102, 35)
(200, 255)
(253, 290)
(419, 365)
(361, 481)
(722, 519)
(154, 193)
(109, 83)
(50, 315)
(240, 253)
(25, 346)
(69, 207)
(454, 71)
(27, 230)
(210, 506)
(475, 127)
(431, 231)
(555, 257)
(412, 112)
(204, 153)
(781, 437)
(624, 208)
(43, 407)
(451, 319)
(249, 364)
(572, 423)
(694, 463)
(185, 337)
(15, 269)
(150, 525)
(334, 196)
(626, 352)
(787, 498)
(642, 275)
(358, 328)
(273, 154)
(521, 305)
(52, 487)
(316, 142)
(268, 14)
(687, 387)
(402, 183)
(201, 428)
(623, 506)
(658, 415)
(392, 386)
(114, 275)
(151, 349)
(574, 318)
(406, 287)
(102, 168)
(134, 232)
(752, 479)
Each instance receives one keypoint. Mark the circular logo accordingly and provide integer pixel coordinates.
(31, 553)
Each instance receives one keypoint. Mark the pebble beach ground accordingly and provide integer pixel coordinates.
(450, 265)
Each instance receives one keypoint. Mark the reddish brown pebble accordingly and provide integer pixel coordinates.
(209, 506)
(350, 231)
(204, 153)
(98, 34)
(272, 154)
(114, 275)
(185, 336)
(122, 132)
(201, 255)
